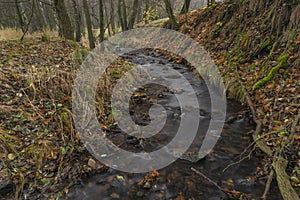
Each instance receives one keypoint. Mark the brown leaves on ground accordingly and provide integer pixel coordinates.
(39, 142)
(147, 181)
(241, 43)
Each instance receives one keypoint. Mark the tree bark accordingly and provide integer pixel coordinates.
(26, 27)
(146, 12)
(135, 8)
(20, 15)
(185, 7)
(112, 17)
(64, 20)
(41, 12)
(88, 24)
(77, 16)
(174, 24)
(101, 21)
(122, 15)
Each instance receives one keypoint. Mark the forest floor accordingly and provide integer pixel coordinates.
(40, 152)
(39, 149)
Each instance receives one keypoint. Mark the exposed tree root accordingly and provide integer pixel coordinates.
(279, 163)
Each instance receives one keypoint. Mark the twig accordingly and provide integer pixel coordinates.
(268, 185)
(30, 103)
(208, 179)
(239, 161)
(30, 19)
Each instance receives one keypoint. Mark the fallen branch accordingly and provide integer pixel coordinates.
(282, 63)
(208, 179)
(268, 185)
(234, 195)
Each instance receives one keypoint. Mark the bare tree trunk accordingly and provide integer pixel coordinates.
(112, 17)
(123, 15)
(120, 15)
(107, 18)
(50, 15)
(146, 11)
(88, 24)
(77, 16)
(174, 24)
(135, 8)
(41, 12)
(64, 20)
(20, 14)
(29, 21)
(185, 7)
(101, 21)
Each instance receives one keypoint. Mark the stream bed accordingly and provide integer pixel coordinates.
(178, 181)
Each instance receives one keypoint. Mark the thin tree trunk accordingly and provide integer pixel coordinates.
(50, 15)
(77, 16)
(135, 8)
(174, 24)
(20, 15)
(108, 27)
(120, 14)
(146, 12)
(41, 12)
(88, 24)
(64, 20)
(124, 15)
(29, 21)
(112, 17)
(185, 7)
(101, 21)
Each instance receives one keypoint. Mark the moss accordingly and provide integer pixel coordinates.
(283, 59)
(79, 55)
(84, 53)
(73, 44)
(270, 56)
(293, 34)
(265, 44)
(282, 63)
(217, 30)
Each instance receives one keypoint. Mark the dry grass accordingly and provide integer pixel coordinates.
(13, 34)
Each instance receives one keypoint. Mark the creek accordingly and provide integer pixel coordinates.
(178, 179)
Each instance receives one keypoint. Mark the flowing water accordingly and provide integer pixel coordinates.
(178, 180)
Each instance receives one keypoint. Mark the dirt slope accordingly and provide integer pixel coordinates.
(256, 46)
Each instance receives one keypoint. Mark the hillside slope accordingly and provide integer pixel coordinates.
(256, 46)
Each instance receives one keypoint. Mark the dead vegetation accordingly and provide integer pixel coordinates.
(256, 46)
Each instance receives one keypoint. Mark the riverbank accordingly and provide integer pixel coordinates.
(259, 63)
(41, 155)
